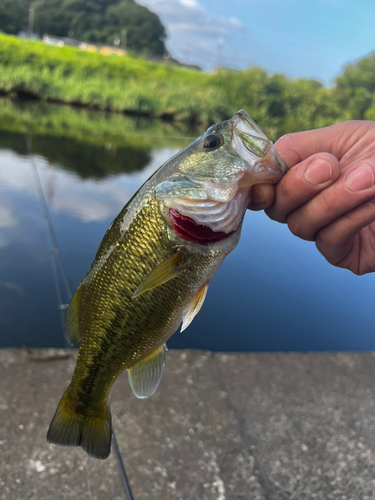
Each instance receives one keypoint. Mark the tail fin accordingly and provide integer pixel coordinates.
(92, 433)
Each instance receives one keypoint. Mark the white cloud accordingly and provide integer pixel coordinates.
(236, 23)
(190, 4)
(195, 36)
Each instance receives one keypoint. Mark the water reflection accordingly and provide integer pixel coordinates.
(274, 292)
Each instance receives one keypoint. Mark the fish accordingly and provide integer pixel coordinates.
(152, 270)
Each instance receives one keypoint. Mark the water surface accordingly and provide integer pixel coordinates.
(273, 293)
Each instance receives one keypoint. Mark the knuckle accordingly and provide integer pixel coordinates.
(275, 215)
(287, 141)
(323, 239)
(285, 192)
(358, 272)
(298, 227)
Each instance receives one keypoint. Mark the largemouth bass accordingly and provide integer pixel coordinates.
(152, 270)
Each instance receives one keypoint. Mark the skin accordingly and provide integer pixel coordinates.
(328, 195)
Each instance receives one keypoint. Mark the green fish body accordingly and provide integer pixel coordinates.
(152, 270)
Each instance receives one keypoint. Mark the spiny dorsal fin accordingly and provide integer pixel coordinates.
(168, 269)
(145, 376)
(194, 307)
(72, 318)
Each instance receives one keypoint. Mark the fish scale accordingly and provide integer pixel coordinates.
(145, 316)
(152, 270)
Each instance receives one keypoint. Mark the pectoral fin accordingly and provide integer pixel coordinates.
(168, 269)
(145, 376)
(72, 318)
(194, 307)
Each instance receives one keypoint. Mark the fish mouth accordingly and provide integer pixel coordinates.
(189, 230)
(250, 136)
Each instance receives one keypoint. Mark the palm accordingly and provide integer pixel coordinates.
(361, 257)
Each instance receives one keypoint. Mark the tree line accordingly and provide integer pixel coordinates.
(284, 105)
(96, 21)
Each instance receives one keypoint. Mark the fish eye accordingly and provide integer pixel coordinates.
(212, 142)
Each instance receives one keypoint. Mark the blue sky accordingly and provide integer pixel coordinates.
(302, 38)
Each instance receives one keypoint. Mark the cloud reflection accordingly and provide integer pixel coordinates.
(88, 200)
(7, 218)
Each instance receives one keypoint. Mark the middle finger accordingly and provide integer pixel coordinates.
(354, 186)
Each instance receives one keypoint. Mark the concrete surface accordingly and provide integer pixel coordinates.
(220, 427)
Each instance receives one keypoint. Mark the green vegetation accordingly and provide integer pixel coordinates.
(115, 83)
(98, 21)
(111, 130)
(136, 86)
(278, 104)
(356, 88)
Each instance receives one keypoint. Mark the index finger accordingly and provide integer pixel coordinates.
(336, 139)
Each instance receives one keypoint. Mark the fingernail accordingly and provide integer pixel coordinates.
(257, 196)
(318, 172)
(361, 178)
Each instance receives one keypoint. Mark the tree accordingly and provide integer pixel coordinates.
(97, 21)
(14, 15)
(356, 87)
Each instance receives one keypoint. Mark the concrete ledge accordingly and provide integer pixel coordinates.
(220, 427)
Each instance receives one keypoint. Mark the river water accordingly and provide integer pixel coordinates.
(273, 293)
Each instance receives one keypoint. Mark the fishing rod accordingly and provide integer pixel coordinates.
(58, 264)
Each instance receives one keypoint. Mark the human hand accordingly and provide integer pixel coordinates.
(328, 195)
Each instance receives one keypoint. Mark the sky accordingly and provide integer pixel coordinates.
(300, 38)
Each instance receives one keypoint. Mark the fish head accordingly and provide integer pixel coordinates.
(209, 183)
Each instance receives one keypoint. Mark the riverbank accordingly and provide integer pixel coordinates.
(32, 70)
(221, 426)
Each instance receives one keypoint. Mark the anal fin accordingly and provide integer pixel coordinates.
(168, 269)
(194, 307)
(145, 376)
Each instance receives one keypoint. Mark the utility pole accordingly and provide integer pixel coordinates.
(31, 22)
(220, 46)
(124, 36)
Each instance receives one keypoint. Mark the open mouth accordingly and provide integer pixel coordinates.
(189, 230)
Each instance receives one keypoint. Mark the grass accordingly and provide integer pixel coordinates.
(122, 84)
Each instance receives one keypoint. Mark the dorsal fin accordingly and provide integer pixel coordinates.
(145, 376)
(72, 318)
(168, 269)
(194, 307)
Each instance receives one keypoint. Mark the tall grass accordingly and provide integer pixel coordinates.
(113, 83)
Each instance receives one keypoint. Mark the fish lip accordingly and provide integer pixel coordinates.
(241, 115)
(248, 124)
